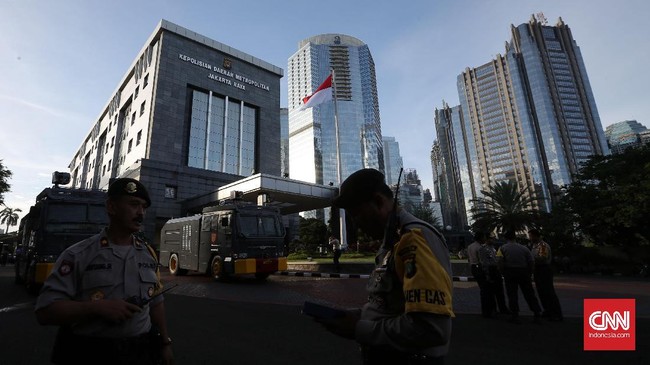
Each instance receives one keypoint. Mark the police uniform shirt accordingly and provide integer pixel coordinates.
(95, 269)
(472, 253)
(542, 253)
(410, 294)
(515, 255)
(487, 257)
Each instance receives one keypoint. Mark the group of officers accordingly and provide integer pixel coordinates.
(104, 292)
(518, 266)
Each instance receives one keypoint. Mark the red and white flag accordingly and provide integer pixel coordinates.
(321, 95)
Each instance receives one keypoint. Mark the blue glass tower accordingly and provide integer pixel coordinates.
(530, 115)
(312, 132)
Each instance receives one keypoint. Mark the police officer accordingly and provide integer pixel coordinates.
(516, 263)
(407, 319)
(544, 277)
(478, 273)
(493, 278)
(336, 249)
(102, 291)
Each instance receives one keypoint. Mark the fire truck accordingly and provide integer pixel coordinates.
(233, 238)
(59, 218)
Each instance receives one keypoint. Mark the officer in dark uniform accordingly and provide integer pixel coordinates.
(516, 263)
(407, 319)
(102, 291)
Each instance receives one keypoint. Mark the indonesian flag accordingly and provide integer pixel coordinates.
(321, 95)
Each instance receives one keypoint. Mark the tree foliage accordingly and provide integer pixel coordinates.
(610, 198)
(425, 213)
(5, 174)
(503, 207)
(312, 233)
(9, 216)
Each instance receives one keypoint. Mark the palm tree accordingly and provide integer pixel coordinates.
(504, 208)
(9, 216)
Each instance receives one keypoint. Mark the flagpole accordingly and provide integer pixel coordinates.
(342, 227)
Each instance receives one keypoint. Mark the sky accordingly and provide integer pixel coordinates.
(61, 61)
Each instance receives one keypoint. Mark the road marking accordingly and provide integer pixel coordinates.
(322, 275)
(16, 307)
(349, 276)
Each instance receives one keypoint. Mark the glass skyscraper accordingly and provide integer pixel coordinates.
(453, 171)
(312, 132)
(528, 116)
(624, 134)
(392, 159)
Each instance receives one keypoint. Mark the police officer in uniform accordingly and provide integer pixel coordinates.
(516, 262)
(102, 291)
(407, 319)
(478, 272)
(544, 277)
(493, 279)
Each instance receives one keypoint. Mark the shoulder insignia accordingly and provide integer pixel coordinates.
(103, 242)
(66, 267)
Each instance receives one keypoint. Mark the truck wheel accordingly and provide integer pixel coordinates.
(174, 265)
(216, 268)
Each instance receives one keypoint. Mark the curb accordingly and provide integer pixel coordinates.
(349, 276)
(322, 275)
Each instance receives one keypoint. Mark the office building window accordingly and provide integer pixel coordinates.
(139, 138)
(145, 82)
(133, 117)
(222, 139)
(112, 141)
(142, 107)
(137, 89)
(130, 145)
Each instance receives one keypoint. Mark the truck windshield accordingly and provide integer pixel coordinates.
(260, 226)
(76, 213)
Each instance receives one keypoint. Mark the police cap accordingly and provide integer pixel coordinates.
(360, 187)
(129, 187)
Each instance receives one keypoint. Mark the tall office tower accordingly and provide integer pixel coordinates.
(532, 111)
(312, 132)
(392, 159)
(454, 173)
(624, 134)
(411, 194)
(284, 142)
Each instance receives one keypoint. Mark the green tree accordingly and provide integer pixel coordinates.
(560, 228)
(313, 233)
(610, 198)
(9, 216)
(5, 174)
(425, 213)
(503, 207)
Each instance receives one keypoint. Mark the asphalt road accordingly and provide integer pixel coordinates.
(248, 322)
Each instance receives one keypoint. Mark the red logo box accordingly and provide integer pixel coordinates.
(609, 325)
